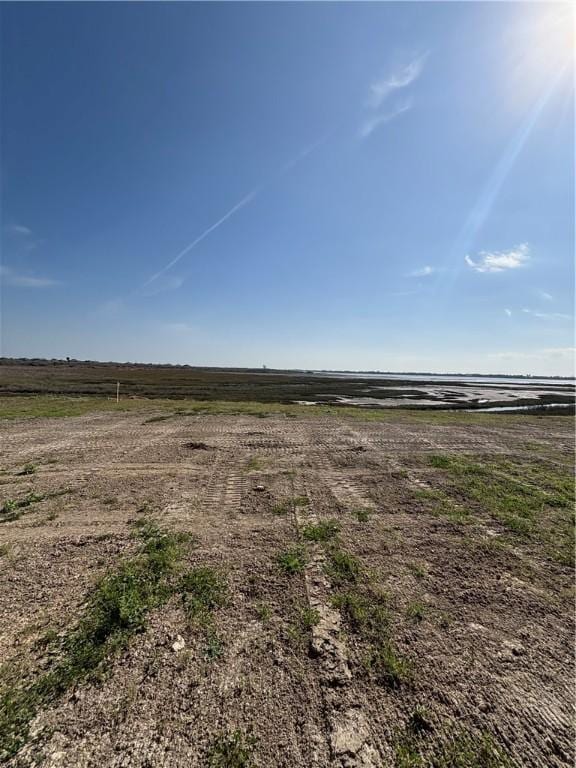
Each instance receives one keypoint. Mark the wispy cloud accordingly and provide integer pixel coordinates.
(508, 312)
(546, 296)
(19, 229)
(393, 81)
(547, 315)
(422, 272)
(19, 280)
(499, 261)
(384, 87)
(370, 124)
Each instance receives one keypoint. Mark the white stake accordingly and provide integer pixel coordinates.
(117, 391)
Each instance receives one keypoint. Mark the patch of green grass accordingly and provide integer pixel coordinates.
(366, 613)
(12, 509)
(282, 507)
(416, 611)
(439, 461)
(214, 647)
(115, 610)
(309, 617)
(418, 570)
(28, 469)
(255, 464)
(362, 515)
(203, 590)
(292, 560)
(440, 504)
(4, 549)
(465, 750)
(285, 506)
(232, 750)
(534, 501)
(154, 419)
(407, 753)
(264, 612)
(322, 531)
(414, 749)
(388, 666)
(342, 567)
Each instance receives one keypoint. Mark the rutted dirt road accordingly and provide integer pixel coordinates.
(478, 616)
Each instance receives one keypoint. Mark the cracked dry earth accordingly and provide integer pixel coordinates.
(491, 649)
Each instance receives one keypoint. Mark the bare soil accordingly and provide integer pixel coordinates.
(482, 616)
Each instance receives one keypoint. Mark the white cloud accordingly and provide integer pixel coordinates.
(508, 312)
(18, 229)
(393, 81)
(547, 315)
(370, 125)
(546, 296)
(422, 272)
(9, 277)
(499, 261)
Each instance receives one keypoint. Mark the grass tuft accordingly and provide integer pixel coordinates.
(342, 567)
(389, 667)
(28, 469)
(322, 531)
(203, 590)
(292, 560)
(233, 750)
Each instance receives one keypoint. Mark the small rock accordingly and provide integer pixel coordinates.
(179, 644)
(259, 487)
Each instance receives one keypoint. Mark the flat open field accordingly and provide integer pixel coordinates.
(284, 587)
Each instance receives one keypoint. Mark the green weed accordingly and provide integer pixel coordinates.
(342, 567)
(264, 612)
(365, 613)
(389, 667)
(292, 560)
(28, 469)
(233, 750)
(416, 611)
(322, 531)
(309, 617)
(13, 509)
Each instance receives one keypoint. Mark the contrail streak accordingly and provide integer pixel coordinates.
(245, 200)
(235, 208)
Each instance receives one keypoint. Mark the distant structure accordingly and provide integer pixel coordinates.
(263, 367)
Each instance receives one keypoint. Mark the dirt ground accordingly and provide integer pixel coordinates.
(448, 641)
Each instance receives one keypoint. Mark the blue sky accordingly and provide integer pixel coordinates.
(357, 186)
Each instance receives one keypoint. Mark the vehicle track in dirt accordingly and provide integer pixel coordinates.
(493, 651)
